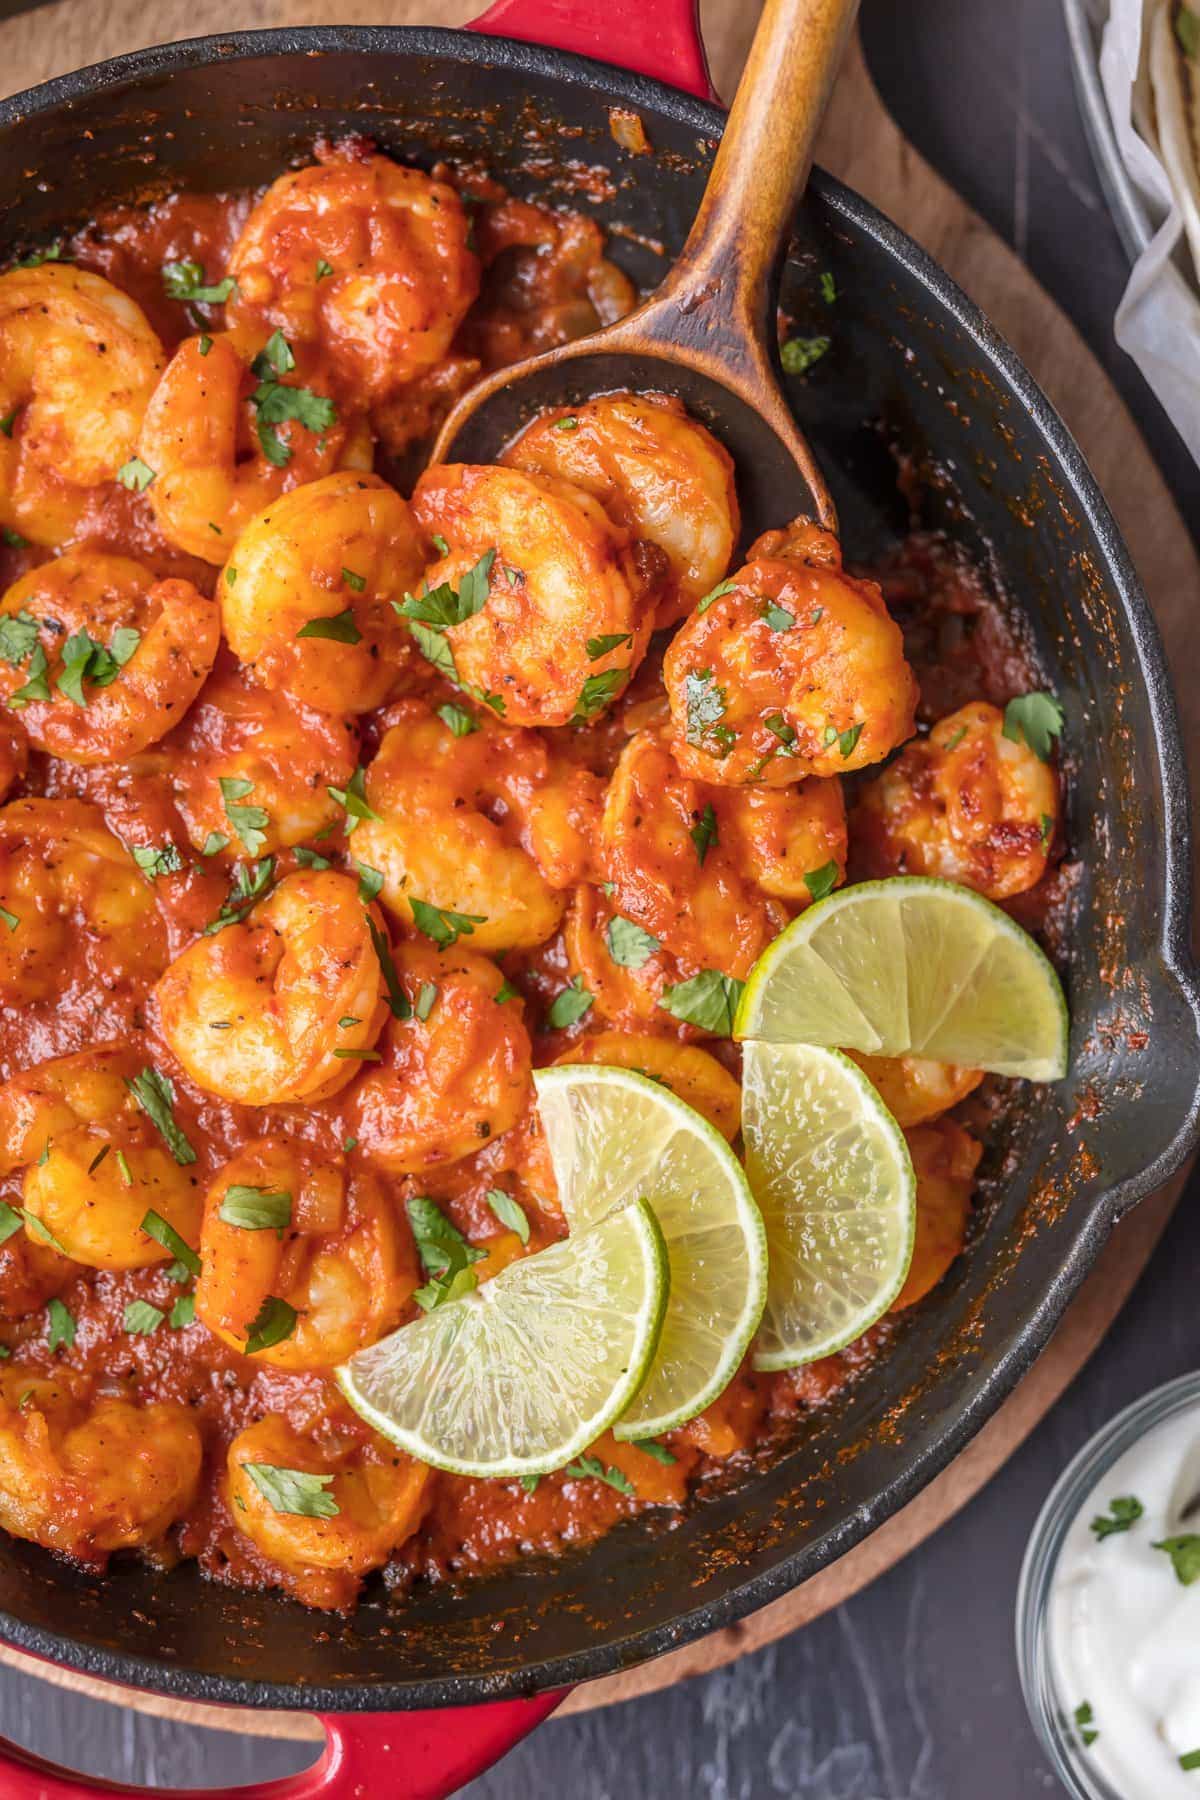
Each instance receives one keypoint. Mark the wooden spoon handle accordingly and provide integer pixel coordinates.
(763, 161)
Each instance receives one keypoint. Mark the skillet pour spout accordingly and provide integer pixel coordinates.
(232, 111)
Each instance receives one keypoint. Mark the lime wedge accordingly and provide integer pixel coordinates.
(831, 1172)
(911, 967)
(614, 1138)
(523, 1374)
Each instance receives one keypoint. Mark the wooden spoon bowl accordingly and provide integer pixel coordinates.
(707, 334)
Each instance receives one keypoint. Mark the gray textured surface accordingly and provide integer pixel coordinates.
(909, 1692)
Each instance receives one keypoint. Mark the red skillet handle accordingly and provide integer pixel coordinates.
(660, 38)
(413, 1756)
(429, 1755)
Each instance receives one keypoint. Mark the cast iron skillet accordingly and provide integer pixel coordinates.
(912, 362)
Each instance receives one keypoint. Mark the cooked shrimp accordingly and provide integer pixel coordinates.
(797, 670)
(376, 1498)
(215, 457)
(785, 838)
(564, 620)
(284, 1223)
(655, 471)
(246, 746)
(89, 1475)
(280, 980)
(364, 260)
(691, 894)
(688, 1071)
(30, 1274)
(77, 913)
(455, 1070)
(114, 656)
(78, 364)
(945, 1158)
(308, 595)
(965, 803)
(915, 1090)
(95, 1164)
(433, 842)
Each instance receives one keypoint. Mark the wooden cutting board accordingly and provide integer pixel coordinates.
(860, 144)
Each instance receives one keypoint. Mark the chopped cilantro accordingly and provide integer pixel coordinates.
(709, 1000)
(568, 1007)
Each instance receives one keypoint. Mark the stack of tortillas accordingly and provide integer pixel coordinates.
(1173, 62)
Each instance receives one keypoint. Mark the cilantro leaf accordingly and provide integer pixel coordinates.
(718, 593)
(155, 1094)
(18, 636)
(1184, 1552)
(651, 1447)
(1038, 718)
(444, 606)
(1083, 1718)
(509, 1212)
(444, 926)
(276, 404)
(38, 686)
(183, 1312)
(446, 1256)
(457, 719)
(274, 1321)
(60, 1326)
(294, 1491)
(1123, 1513)
(596, 693)
(136, 475)
(141, 1318)
(704, 832)
(155, 860)
(597, 647)
(800, 353)
(628, 945)
(822, 881)
(249, 822)
(370, 881)
(353, 799)
(339, 627)
(397, 999)
(704, 703)
(777, 617)
(709, 1000)
(155, 1226)
(426, 999)
(256, 1209)
(185, 281)
(568, 1007)
(435, 649)
(590, 1468)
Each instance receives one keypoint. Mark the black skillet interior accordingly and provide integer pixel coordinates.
(911, 361)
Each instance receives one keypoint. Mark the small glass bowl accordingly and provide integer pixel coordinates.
(1049, 1712)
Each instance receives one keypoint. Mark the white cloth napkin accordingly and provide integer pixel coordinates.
(1158, 320)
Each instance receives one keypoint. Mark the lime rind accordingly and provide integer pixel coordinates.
(613, 1135)
(937, 972)
(832, 1175)
(523, 1375)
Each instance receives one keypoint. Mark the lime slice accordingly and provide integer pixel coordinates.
(911, 967)
(523, 1374)
(614, 1137)
(831, 1172)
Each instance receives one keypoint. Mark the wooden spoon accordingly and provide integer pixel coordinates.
(707, 334)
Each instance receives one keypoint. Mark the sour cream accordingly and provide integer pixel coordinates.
(1123, 1628)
